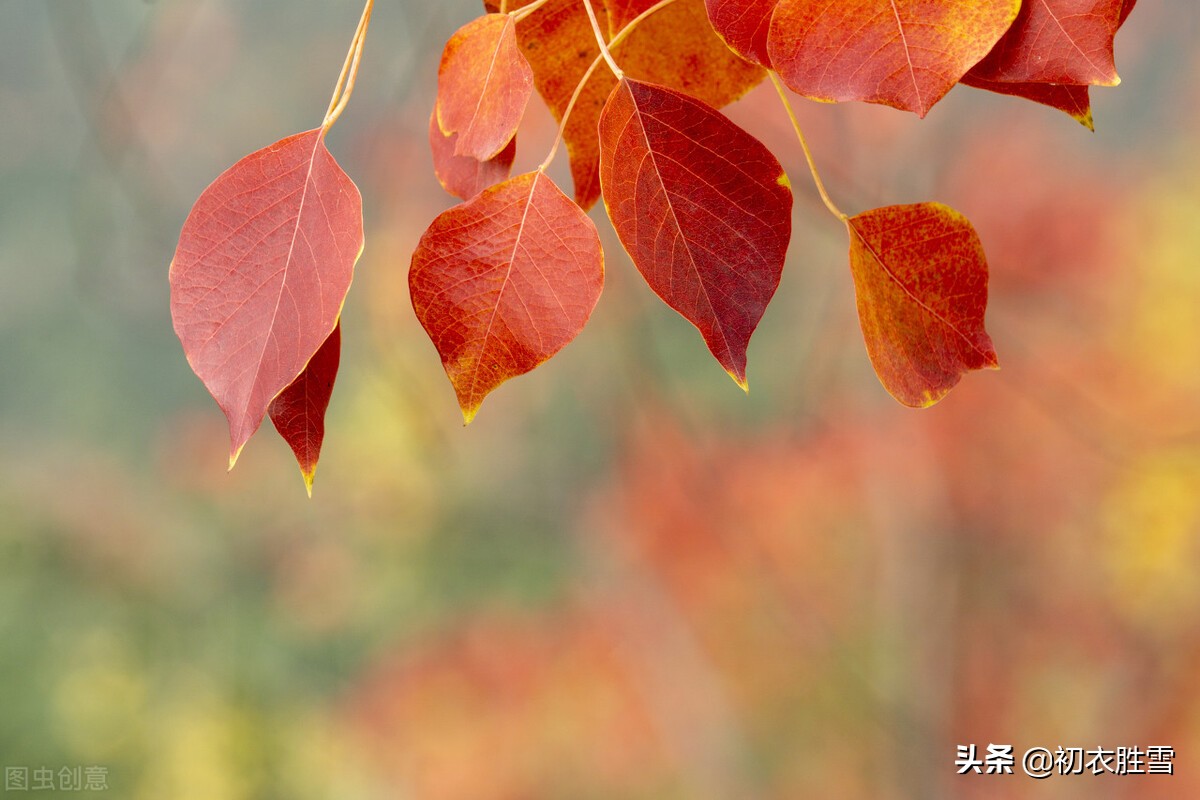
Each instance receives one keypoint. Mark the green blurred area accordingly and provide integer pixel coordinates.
(625, 578)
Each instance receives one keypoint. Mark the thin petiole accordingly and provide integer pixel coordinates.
(521, 13)
(812, 165)
(587, 4)
(616, 40)
(562, 127)
(345, 82)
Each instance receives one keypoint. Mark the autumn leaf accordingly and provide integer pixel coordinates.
(676, 46)
(504, 281)
(702, 207)
(743, 24)
(1057, 41)
(920, 279)
(1073, 100)
(484, 84)
(905, 55)
(263, 265)
(464, 176)
(299, 411)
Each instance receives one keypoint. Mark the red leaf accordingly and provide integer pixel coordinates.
(504, 281)
(263, 265)
(299, 410)
(1057, 41)
(702, 207)
(1072, 99)
(902, 54)
(1126, 9)
(920, 278)
(484, 84)
(743, 24)
(464, 176)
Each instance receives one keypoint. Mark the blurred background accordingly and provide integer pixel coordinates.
(625, 579)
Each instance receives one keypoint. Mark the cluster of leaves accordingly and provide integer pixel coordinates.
(504, 280)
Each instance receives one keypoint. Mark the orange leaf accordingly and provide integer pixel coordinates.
(1057, 41)
(263, 265)
(299, 410)
(744, 25)
(675, 46)
(920, 279)
(702, 207)
(504, 281)
(463, 176)
(899, 53)
(484, 84)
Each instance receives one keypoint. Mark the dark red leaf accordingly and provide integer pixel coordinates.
(299, 410)
(702, 207)
(263, 265)
(1066, 97)
(504, 281)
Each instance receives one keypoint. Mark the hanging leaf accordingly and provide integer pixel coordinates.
(702, 207)
(1057, 41)
(484, 84)
(743, 24)
(504, 281)
(676, 46)
(905, 55)
(263, 265)
(1073, 100)
(464, 176)
(299, 411)
(921, 280)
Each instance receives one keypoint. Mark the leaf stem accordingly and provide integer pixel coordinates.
(616, 40)
(345, 82)
(633, 23)
(587, 4)
(808, 156)
(562, 125)
(521, 13)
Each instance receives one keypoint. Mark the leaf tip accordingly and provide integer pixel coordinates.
(308, 475)
(469, 412)
(234, 454)
(740, 381)
(930, 399)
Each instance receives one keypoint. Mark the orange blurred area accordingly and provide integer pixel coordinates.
(626, 578)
